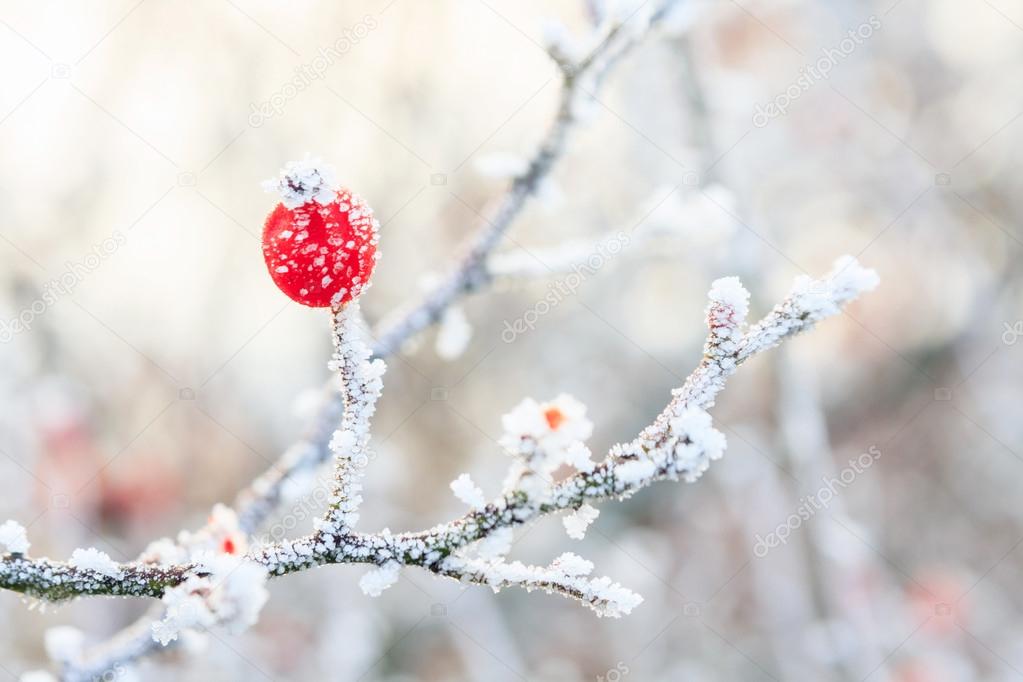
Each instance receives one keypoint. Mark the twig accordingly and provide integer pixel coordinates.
(679, 444)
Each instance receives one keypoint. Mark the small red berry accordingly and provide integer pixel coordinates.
(320, 242)
(228, 546)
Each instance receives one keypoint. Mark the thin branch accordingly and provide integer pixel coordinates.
(680, 443)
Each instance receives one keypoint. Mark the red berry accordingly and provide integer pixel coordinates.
(321, 254)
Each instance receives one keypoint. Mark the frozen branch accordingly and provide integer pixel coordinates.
(680, 443)
(361, 384)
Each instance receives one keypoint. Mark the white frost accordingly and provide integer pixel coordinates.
(823, 297)
(13, 538)
(848, 278)
(231, 595)
(572, 564)
(468, 492)
(579, 456)
(300, 182)
(497, 544)
(728, 291)
(92, 559)
(380, 578)
(634, 471)
(577, 522)
(567, 574)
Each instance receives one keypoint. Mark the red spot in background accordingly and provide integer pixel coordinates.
(939, 596)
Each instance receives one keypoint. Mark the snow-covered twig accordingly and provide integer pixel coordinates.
(361, 384)
(680, 443)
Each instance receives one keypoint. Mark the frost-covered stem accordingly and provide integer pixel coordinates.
(361, 385)
(573, 585)
(680, 443)
(57, 581)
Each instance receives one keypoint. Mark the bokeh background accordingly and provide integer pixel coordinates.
(167, 370)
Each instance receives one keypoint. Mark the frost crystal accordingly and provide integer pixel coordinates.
(300, 182)
(728, 291)
(231, 594)
(634, 471)
(468, 492)
(808, 302)
(92, 559)
(579, 456)
(848, 278)
(186, 608)
(497, 544)
(380, 578)
(572, 564)
(577, 522)
(13, 538)
(820, 298)
(566, 575)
